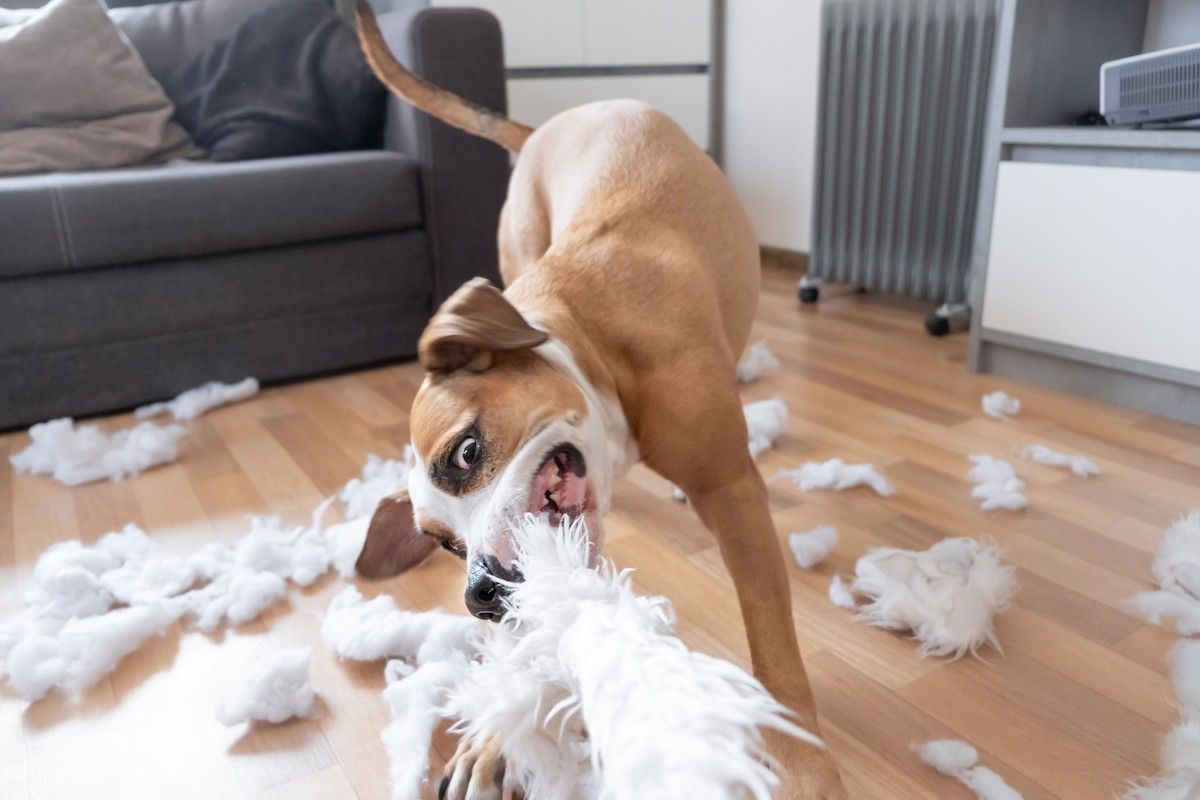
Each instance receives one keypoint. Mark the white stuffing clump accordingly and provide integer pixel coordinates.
(563, 683)
(275, 689)
(1079, 465)
(1177, 570)
(837, 475)
(947, 595)
(757, 360)
(371, 630)
(1000, 404)
(960, 761)
(194, 402)
(77, 455)
(839, 595)
(766, 421)
(380, 478)
(811, 548)
(996, 484)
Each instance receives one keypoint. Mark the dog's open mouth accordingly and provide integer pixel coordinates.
(560, 485)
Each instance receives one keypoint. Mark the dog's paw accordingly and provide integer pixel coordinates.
(476, 772)
(807, 773)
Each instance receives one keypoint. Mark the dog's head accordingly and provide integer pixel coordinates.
(497, 431)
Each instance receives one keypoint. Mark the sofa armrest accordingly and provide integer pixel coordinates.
(463, 178)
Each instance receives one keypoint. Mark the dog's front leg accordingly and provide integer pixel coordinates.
(738, 514)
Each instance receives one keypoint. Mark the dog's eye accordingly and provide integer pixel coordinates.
(466, 454)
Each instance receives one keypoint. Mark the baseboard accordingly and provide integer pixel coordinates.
(794, 260)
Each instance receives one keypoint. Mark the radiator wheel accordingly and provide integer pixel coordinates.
(809, 294)
(937, 325)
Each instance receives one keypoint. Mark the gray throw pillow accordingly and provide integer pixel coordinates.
(167, 35)
(76, 96)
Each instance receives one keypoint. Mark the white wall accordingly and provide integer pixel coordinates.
(1171, 23)
(770, 108)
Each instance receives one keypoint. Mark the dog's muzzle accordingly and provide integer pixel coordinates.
(485, 594)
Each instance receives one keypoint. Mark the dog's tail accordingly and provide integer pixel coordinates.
(433, 100)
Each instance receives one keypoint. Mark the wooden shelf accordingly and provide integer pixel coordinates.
(1098, 136)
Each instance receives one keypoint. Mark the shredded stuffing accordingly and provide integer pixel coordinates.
(837, 475)
(996, 484)
(194, 402)
(371, 630)
(1000, 404)
(380, 478)
(947, 595)
(563, 681)
(839, 595)
(766, 420)
(813, 547)
(124, 588)
(1079, 465)
(960, 761)
(757, 360)
(77, 455)
(1177, 570)
(275, 689)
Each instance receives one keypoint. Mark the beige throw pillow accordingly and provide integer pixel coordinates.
(76, 96)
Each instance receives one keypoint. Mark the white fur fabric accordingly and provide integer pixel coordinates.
(947, 595)
(757, 360)
(1180, 776)
(1079, 465)
(960, 761)
(1177, 570)
(77, 455)
(813, 547)
(837, 475)
(276, 688)
(1000, 404)
(380, 478)
(194, 402)
(766, 421)
(996, 484)
(564, 681)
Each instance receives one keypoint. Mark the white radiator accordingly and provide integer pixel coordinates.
(904, 88)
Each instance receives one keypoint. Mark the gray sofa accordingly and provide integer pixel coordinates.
(122, 286)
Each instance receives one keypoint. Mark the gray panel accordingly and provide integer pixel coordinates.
(899, 142)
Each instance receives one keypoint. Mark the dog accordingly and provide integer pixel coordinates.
(631, 281)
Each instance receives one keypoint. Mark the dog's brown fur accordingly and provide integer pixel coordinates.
(624, 241)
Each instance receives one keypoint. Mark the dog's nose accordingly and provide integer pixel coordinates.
(485, 594)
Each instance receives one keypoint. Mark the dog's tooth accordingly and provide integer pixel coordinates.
(555, 480)
(554, 497)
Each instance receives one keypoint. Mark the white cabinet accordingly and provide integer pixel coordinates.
(563, 53)
(1101, 258)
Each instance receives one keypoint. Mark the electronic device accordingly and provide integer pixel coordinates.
(1163, 86)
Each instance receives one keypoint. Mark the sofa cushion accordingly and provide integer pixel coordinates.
(76, 96)
(93, 219)
(290, 80)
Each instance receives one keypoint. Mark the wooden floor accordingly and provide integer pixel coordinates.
(1075, 707)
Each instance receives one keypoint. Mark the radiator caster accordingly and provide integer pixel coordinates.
(937, 325)
(809, 294)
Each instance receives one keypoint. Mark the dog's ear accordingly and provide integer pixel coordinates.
(471, 326)
(393, 542)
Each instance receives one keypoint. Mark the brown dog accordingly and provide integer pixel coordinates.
(632, 277)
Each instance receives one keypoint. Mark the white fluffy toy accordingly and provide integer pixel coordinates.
(1177, 570)
(585, 683)
(947, 595)
(1180, 778)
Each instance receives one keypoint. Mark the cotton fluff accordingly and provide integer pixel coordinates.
(1180, 754)
(810, 549)
(371, 630)
(1177, 570)
(194, 402)
(415, 698)
(766, 420)
(1079, 465)
(839, 595)
(83, 651)
(380, 478)
(1000, 405)
(960, 760)
(77, 455)
(582, 662)
(757, 360)
(837, 475)
(947, 595)
(275, 688)
(996, 484)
